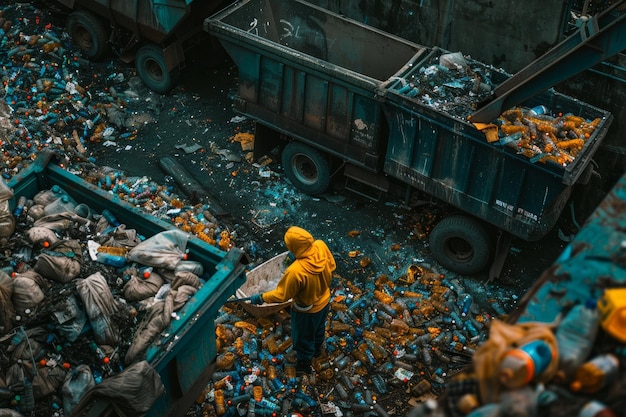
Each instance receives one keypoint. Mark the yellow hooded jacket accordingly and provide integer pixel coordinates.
(307, 280)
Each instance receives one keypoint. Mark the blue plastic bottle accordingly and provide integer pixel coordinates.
(522, 365)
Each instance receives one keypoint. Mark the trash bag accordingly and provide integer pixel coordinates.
(39, 235)
(190, 266)
(7, 221)
(7, 412)
(7, 312)
(70, 317)
(502, 337)
(186, 278)
(131, 393)
(47, 380)
(15, 375)
(139, 288)
(121, 236)
(163, 250)
(28, 290)
(453, 61)
(61, 221)
(77, 382)
(158, 317)
(100, 307)
(61, 262)
(182, 295)
(28, 345)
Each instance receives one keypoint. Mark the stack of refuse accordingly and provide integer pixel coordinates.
(83, 298)
(451, 83)
(455, 84)
(55, 99)
(390, 344)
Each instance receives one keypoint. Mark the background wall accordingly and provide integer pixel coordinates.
(510, 35)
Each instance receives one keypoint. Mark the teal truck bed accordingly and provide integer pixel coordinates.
(336, 96)
(183, 355)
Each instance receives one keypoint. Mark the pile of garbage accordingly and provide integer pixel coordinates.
(53, 99)
(83, 298)
(540, 136)
(391, 344)
(450, 83)
(56, 99)
(456, 84)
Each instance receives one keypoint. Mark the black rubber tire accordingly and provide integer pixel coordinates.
(461, 244)
(306, 168)
(152, 69)
(90, 33)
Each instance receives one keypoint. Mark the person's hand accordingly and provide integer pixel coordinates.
(256, 299)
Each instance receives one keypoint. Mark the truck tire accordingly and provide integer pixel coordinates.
(90, 34)
(152, 69)
(306, 168)
(461, 244)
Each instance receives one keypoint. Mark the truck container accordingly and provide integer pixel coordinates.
(184, 354)
(331, 93)
(156, 35)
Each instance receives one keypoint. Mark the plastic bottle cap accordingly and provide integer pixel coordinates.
(576, 386)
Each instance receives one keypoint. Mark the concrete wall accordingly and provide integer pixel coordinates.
(507, 34)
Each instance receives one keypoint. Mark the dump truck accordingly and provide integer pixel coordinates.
(340, 99)
(156, 35)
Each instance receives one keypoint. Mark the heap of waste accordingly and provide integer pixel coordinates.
(56, 99)
(83, 298)
(391, 343)
(455, 84)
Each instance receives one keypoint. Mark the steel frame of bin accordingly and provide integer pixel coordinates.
(184, 354)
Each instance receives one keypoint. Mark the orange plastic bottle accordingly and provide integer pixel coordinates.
(594, 375)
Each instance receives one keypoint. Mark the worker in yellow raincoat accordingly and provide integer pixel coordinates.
(307, 283)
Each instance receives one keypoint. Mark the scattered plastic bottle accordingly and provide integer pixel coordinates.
(110, 259)
(596, 374)
(61, 205)
(575, 337)
(596, 409)
(110, 217)
(522, 365)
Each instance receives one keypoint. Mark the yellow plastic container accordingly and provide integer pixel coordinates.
(612, 309)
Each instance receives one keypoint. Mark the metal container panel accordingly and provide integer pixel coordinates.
(313, 74)
(184, 354)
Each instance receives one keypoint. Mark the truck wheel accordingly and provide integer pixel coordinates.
(461, 244)
(90, 34)
(152, 69)
(306, 168)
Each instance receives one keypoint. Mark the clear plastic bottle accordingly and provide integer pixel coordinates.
(575, 337)
(594, 375)
(61, 205)
(596, 409)
(522, 365)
